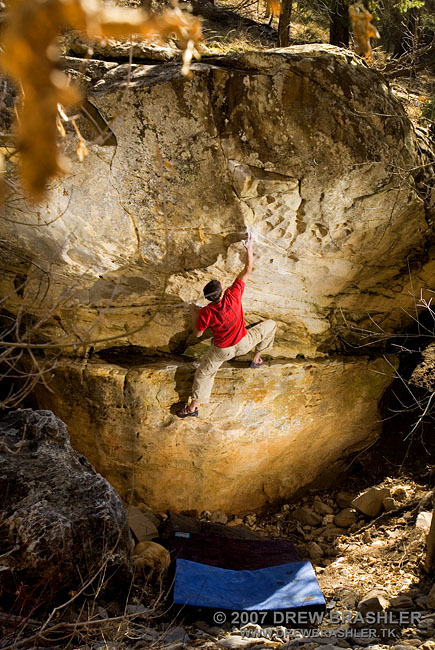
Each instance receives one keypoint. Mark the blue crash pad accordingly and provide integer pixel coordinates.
(286, 586)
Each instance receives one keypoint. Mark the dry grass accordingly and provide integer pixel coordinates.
(414, 92)
(242, 40)
(306, 27)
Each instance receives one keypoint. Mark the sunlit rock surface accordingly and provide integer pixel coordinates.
(305, 146)
(264, 434)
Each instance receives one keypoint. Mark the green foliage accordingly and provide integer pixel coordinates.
(428, 18)
(381, 7)
(402, 23)
(428, 110)
(405, 5)
(428, 116)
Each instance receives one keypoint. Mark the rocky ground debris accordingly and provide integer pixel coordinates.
(372, 567)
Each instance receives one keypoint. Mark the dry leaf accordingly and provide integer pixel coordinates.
(169, 166)
(82, 150)
(60, 127)
(273, 8)
(362, 28)
(30, 56)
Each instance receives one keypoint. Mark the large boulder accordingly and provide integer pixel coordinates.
(61, 523)
(309, 149)
(306, 146)
(265, 433)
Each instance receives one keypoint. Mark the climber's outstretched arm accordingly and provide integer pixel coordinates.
(249, 260)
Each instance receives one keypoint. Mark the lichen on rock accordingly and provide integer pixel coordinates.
(61, 523)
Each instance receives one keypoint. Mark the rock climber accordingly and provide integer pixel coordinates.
(224, 315)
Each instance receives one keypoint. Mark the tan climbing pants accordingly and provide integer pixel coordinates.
(260, 336)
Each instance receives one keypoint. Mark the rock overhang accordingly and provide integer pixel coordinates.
(264, 435)
(308, 149)
(306, 146)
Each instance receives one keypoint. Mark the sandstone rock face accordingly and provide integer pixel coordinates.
(310, 151)
(264, 434)
(304, 145)
(61, 522)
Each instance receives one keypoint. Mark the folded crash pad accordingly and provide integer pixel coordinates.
(182, 523)
(230, 553)
(284, 587)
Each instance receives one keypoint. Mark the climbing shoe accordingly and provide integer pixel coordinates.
(256, 365)
(184, 413)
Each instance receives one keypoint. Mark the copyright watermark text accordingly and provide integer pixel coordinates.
(303, 618)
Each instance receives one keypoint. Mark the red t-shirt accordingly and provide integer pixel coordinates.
(225, 317)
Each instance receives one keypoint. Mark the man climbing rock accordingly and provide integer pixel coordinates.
(224, 315)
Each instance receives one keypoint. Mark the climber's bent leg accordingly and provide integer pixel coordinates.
(260, 336)
(210, 363)
(267, 331)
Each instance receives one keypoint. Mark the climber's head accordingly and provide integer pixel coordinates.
(213, 291)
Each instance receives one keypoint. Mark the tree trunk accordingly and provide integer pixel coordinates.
(429, 565)
(339, 25)
(284, 23)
